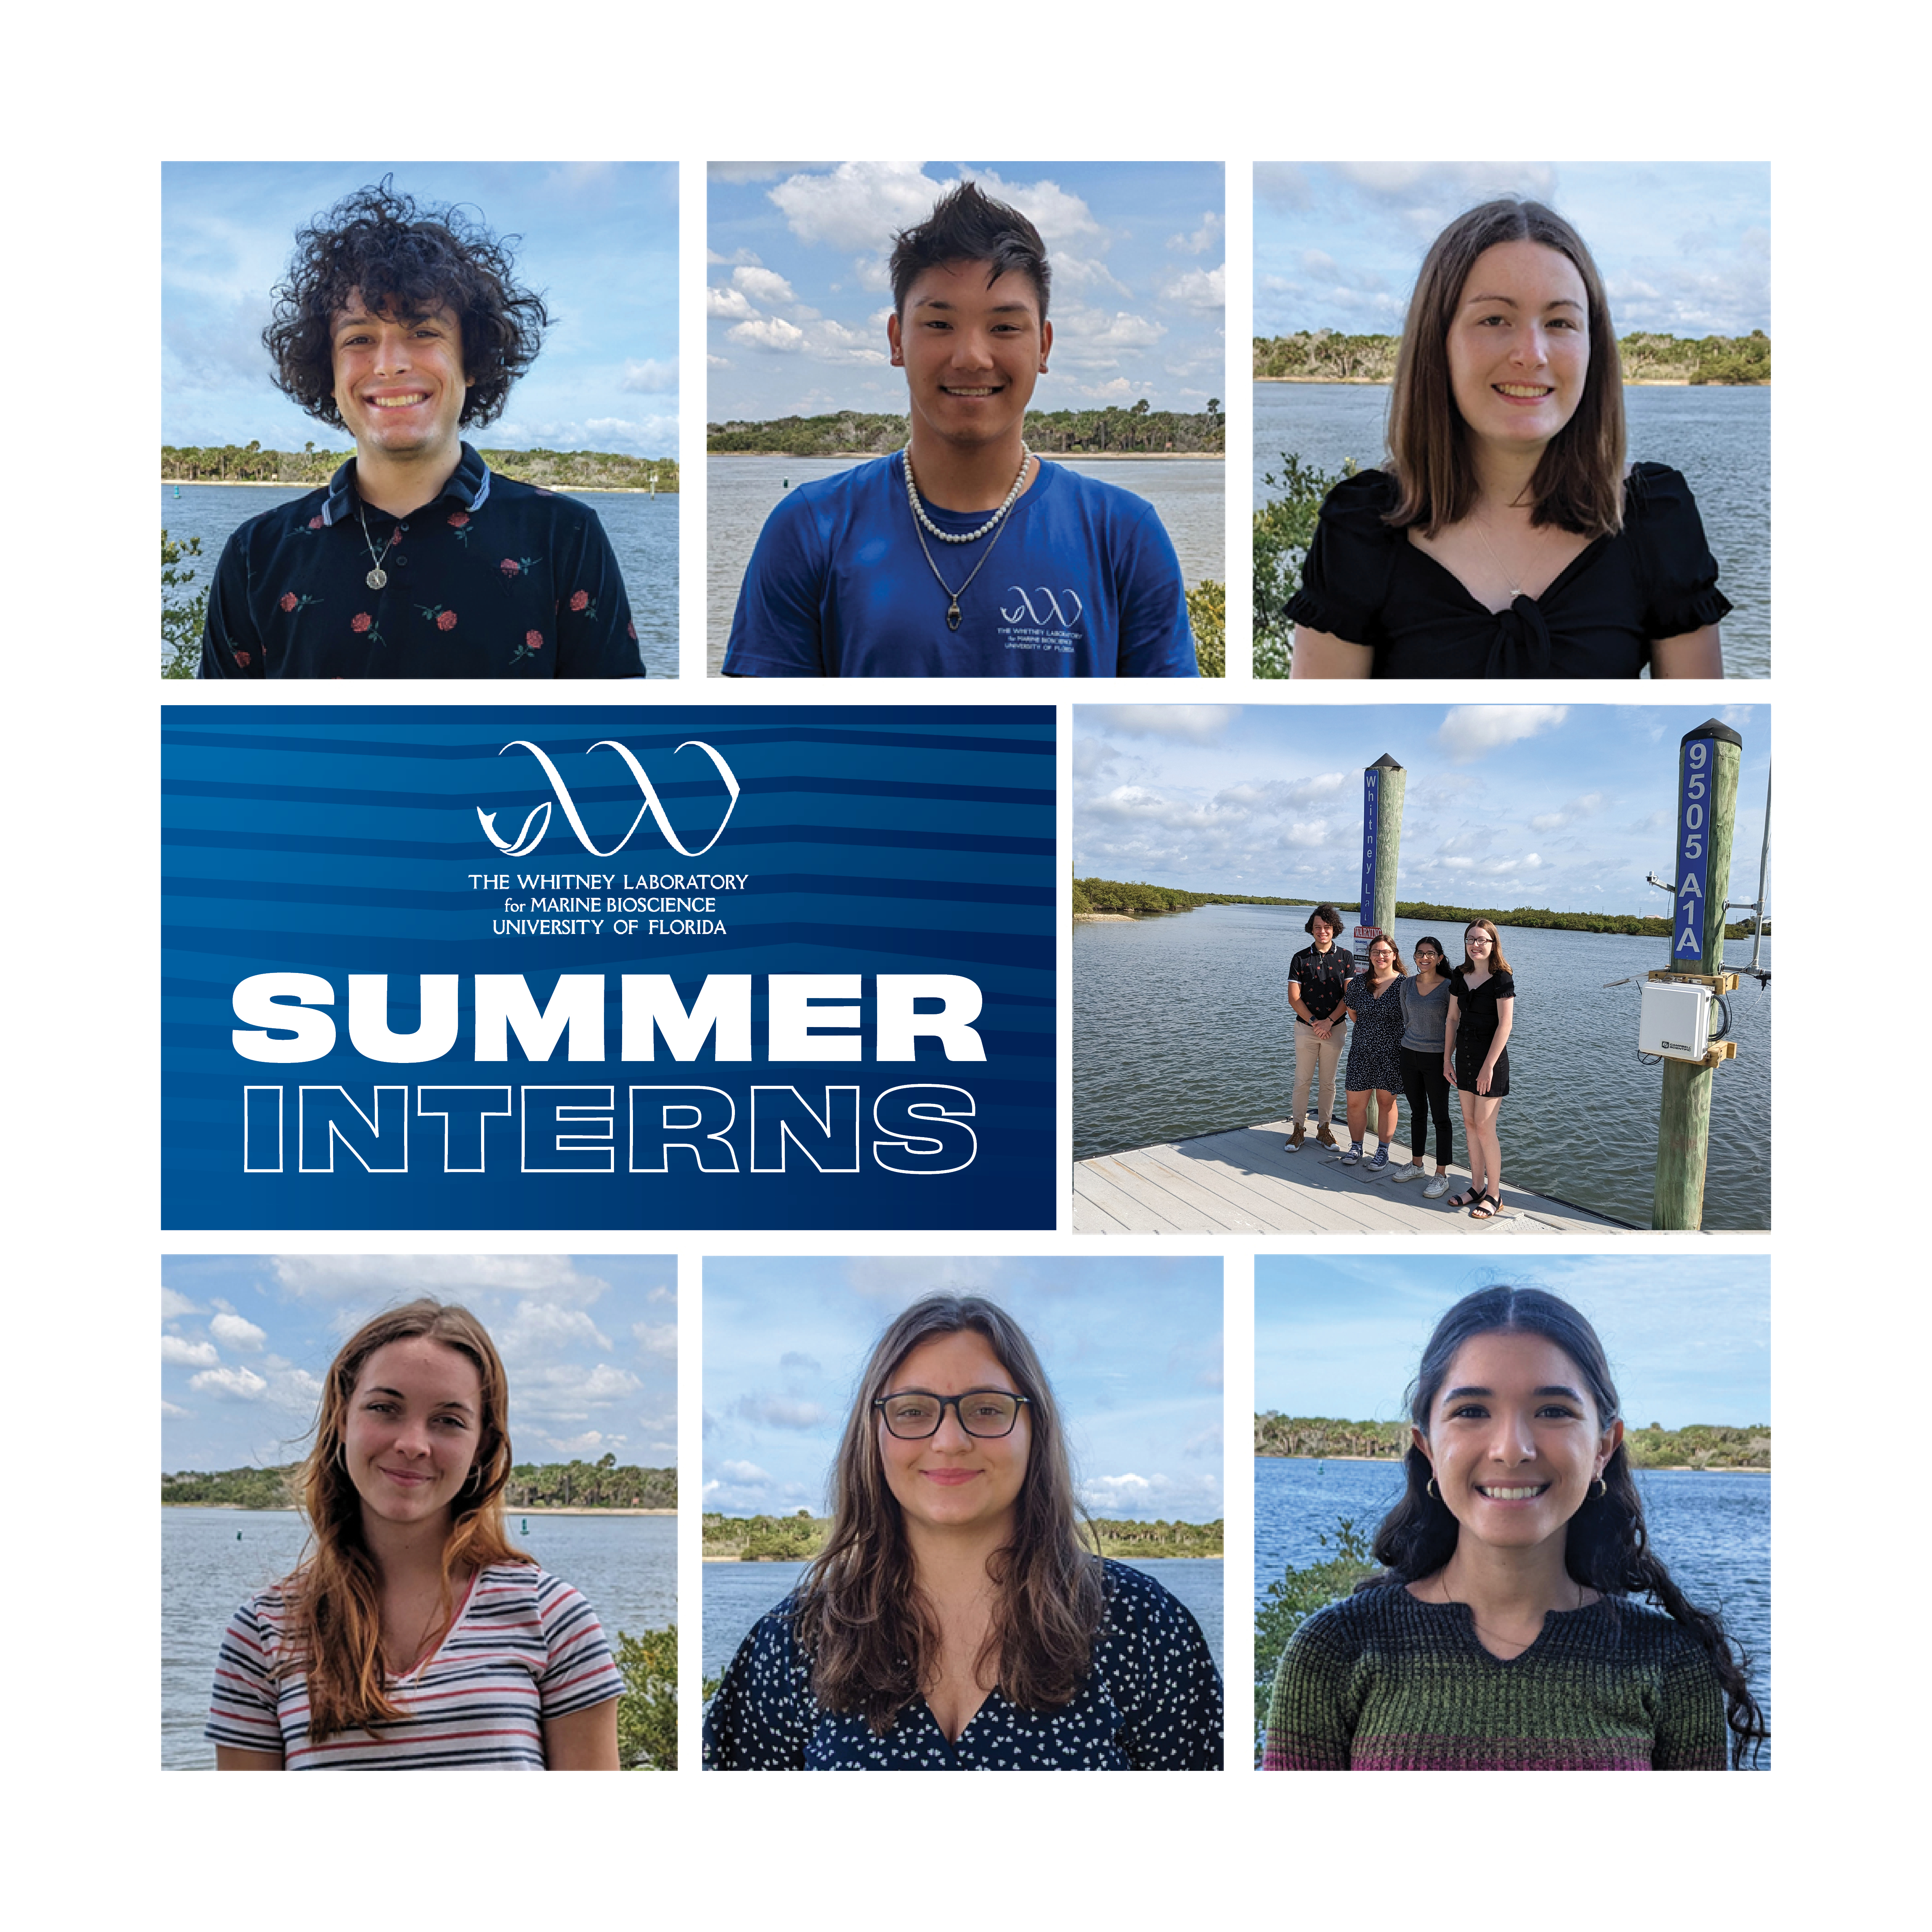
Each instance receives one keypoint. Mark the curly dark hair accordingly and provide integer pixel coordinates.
(1608, 1549)
(405, 259)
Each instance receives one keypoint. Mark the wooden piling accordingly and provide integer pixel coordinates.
(1684, 1116)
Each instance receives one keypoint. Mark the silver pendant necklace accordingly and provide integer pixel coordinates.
(377, 576)
(922, 523)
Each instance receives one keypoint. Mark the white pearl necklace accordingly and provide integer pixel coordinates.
(957, 536)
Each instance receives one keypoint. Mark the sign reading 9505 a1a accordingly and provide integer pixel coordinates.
(639, 967)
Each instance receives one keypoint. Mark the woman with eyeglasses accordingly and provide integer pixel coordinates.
(956, 1619)
(1506, 1629)
(414, 1635)
(1475, 1056)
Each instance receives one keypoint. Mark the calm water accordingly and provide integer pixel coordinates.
(1181, 1027)
(744, 489)
(1712, 1530)
(737, 1594)
(1720, 438)
(643, 531)
(212, 1559)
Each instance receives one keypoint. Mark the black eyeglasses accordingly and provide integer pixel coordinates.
(913, 1414)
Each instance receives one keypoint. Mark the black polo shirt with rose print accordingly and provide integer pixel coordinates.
(1321, 977)
(493, 579)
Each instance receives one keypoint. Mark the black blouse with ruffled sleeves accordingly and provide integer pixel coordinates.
(1365, 583)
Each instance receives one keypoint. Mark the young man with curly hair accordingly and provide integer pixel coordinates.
(404, 326)
(963, 556)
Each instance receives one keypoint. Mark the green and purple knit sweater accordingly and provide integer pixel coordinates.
(1383, 1682)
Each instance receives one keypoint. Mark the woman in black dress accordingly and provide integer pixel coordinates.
(1375, 1053)
(1475, 1055)
(1507, 538)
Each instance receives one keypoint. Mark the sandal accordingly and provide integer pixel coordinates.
(1487, 1208)
(1469, 1198)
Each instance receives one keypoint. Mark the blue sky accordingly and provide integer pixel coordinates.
(798, 291)
(1561, 806)
(1684, 248)
(1688, 1337)
(600, 245)
(1132, 1348)
(589, 1344)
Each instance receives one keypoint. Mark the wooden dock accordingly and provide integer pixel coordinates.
(1244, 1181)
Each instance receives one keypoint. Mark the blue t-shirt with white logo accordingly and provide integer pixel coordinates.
(1082, 582)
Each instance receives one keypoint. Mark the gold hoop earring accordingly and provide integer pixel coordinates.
(1428, 1489)
(1603, 1489)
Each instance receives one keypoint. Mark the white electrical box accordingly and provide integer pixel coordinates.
(1674, 1020)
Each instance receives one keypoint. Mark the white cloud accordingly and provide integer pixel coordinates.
(1471, 731)
(1091, 338)
(188, 1354)
(1203, 238)
(230, 1384)
(1189, 724)
(650, 376)
(1204, 289)
(169, 1408)
(1587, 806)
(778, 1411)
(174, 1305)
(1146, 1497)
(656, 1338)
(727, 302)
(745, 1475)
(772, 332)
(858, 204)
(763, 285)
(237, 1332)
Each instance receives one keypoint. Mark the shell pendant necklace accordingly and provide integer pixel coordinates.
(377, 576)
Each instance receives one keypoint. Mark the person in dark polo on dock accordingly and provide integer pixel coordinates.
(1316, 977)
(404, 324)
(965, 555)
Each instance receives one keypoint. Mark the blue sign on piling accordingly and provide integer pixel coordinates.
(1696, 769)
(1371, 798)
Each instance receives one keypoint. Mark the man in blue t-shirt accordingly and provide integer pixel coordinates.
(963, 556)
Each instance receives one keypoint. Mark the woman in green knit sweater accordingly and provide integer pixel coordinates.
(1504, 1633)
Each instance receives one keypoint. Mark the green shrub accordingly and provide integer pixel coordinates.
(1284, 528)
(1295, 1596)
(647, 1709)
(1208, 612)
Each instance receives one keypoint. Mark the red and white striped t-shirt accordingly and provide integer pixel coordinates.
(525, 1647)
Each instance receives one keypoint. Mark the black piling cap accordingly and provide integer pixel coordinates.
(1386, 763)
(1711, 728)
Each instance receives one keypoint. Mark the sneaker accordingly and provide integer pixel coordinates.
(1293, 1143)
(1414, 1170)
(1436, 1188)
(1326, 1136)
(1353, 1158)
(1375, 1169)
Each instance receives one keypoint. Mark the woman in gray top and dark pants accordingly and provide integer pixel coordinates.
(1425, 1018)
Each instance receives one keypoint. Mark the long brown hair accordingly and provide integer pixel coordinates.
(871, 1635)
(1498, 964)
(334, 1596)
(1579, 484)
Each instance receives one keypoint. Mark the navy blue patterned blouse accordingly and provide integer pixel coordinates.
(1151, 1702)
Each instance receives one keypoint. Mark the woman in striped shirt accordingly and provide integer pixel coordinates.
(414, 1634)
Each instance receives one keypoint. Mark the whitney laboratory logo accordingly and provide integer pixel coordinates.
(1035, 614)
(531, 836)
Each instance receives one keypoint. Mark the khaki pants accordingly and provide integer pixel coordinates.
(1315, 1060)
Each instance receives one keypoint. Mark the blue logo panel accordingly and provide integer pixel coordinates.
(1697, 766)
(611, 967)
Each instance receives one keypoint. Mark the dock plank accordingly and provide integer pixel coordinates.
(1243, 1181)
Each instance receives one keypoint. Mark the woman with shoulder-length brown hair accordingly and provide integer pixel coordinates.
(414, 1635)
(1507, 538)
(1475, 1056)
(956, 1618)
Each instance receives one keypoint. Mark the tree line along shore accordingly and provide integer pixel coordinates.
(1139, 430)
(1331, 355)
(546, 468)
(799, 1538)
(1697, 1445)
(1114, 897)
(606, 1484)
